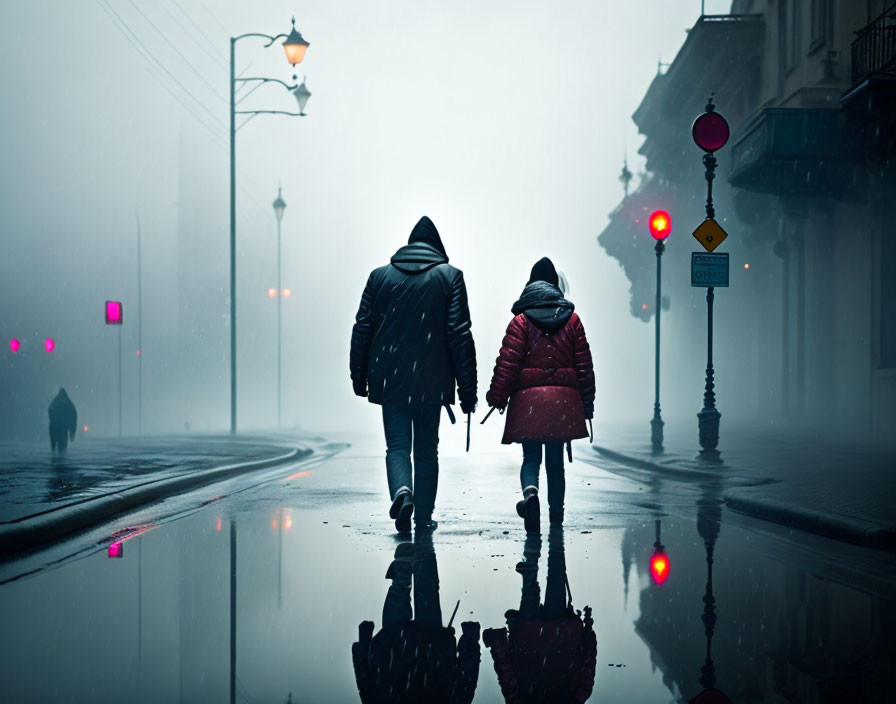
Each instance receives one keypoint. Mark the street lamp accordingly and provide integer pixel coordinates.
(115, 316)
(294, 46)
(710, 132)
(660, 225)
(279, 208)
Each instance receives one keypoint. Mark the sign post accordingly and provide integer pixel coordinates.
(115, 316)
(710, 132)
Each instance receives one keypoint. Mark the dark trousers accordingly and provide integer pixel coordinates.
(408, 427)
(397, 607)
(553, 464)
(555, 596)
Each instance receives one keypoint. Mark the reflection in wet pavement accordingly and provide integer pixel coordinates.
(277, 580)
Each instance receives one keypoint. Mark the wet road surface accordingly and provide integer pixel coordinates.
(141, 610)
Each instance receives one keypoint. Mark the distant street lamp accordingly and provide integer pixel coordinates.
(294, 46)
(115, 316)
(660, 225)
(279, 208)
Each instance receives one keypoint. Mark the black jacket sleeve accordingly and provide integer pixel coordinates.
(361, 336)
(460, 343)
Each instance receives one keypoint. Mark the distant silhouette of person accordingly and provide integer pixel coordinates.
(415, 659)
(63, 421)
(545, 370)
(547, 652)
(411, 341)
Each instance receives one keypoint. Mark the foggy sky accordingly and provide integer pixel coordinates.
(505, 122)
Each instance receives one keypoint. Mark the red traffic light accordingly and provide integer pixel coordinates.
(114, 313)
(14, 345)
(659, 567)
(710, 130)
(660, 225)
(49, 344)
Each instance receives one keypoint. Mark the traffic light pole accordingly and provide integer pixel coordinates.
(279, 305)
(119, 382)
(656, 425)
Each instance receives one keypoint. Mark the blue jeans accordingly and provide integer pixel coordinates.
(553, 461)
(406, 426)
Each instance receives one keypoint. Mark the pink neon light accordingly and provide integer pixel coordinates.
(49, 344)
(115, 550)
(113, 313)
(14, 345)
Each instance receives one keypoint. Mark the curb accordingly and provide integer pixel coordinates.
(30, 532)
(637, 463)
(849, 530)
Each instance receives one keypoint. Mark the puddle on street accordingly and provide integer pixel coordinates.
(148, 618)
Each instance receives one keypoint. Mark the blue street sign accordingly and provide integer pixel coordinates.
(709, 269)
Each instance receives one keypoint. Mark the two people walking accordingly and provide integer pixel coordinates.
(412, 342)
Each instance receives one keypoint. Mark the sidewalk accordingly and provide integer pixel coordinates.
(44, 497)
(826, 487)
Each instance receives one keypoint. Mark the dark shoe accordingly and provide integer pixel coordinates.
(427, 526)
(529, 510)
(403, 516)
(556, 517)
(397, 504)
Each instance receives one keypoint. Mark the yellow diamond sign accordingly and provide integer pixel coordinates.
(710, 234)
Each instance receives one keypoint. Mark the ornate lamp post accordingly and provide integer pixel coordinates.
(279, 207)
(710, 132)
(660, 225)
(294, 46)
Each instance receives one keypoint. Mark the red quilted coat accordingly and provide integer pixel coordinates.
(544, 369)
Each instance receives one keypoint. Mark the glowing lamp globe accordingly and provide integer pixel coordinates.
(660, 225)
(49, 344)
(710, 130)
(14, 345)
(295, 45)
(114, 313)
(272, 293)
(659, 567)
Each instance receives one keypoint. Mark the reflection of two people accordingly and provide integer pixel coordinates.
(413, 657)
(548, 651)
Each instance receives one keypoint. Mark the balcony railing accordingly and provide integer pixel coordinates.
(874, 48)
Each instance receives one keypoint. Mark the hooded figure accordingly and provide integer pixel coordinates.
(544, 370)
(63, 421)
(411, 343)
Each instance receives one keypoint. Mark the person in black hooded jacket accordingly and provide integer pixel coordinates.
(410, 343)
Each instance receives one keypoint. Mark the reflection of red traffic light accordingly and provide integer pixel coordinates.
(115, 550)
(14, 345)
(660, 225)
(659, 567)
(114, 313)
(49, 344)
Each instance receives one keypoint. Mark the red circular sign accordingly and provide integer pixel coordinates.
(710, 131)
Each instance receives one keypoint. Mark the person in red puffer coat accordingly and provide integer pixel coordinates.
(544, 371)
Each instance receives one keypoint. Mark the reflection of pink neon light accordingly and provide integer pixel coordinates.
(115, 550)
(300, 474)
(218, 525)
(49, 344)
(14, 345)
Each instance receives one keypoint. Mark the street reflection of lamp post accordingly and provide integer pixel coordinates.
(114, 316)
(659, 561)
(279, 207)
(660, 225)
(294, 46)
(233, 610)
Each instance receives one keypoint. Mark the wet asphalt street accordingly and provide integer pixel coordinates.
(141, 610)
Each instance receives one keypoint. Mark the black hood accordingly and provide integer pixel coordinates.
(425, 231)
(417, 257)
(544, 305)
(544, 270)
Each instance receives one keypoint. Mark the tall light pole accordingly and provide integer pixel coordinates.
(294, 46)
(139, 331)
(279, 207)
(660, 225)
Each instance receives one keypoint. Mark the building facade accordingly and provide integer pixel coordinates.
(808, 327)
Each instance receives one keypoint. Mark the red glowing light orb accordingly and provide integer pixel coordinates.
(14, 345)
(115, 550)
(272, 293)
(710, 131)
(746, 266)
(114, 313)
(660, 225)
(86, 428)
(138, 351)
(49, 344)
(643, 306)
(218, 525)
(659, 567)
